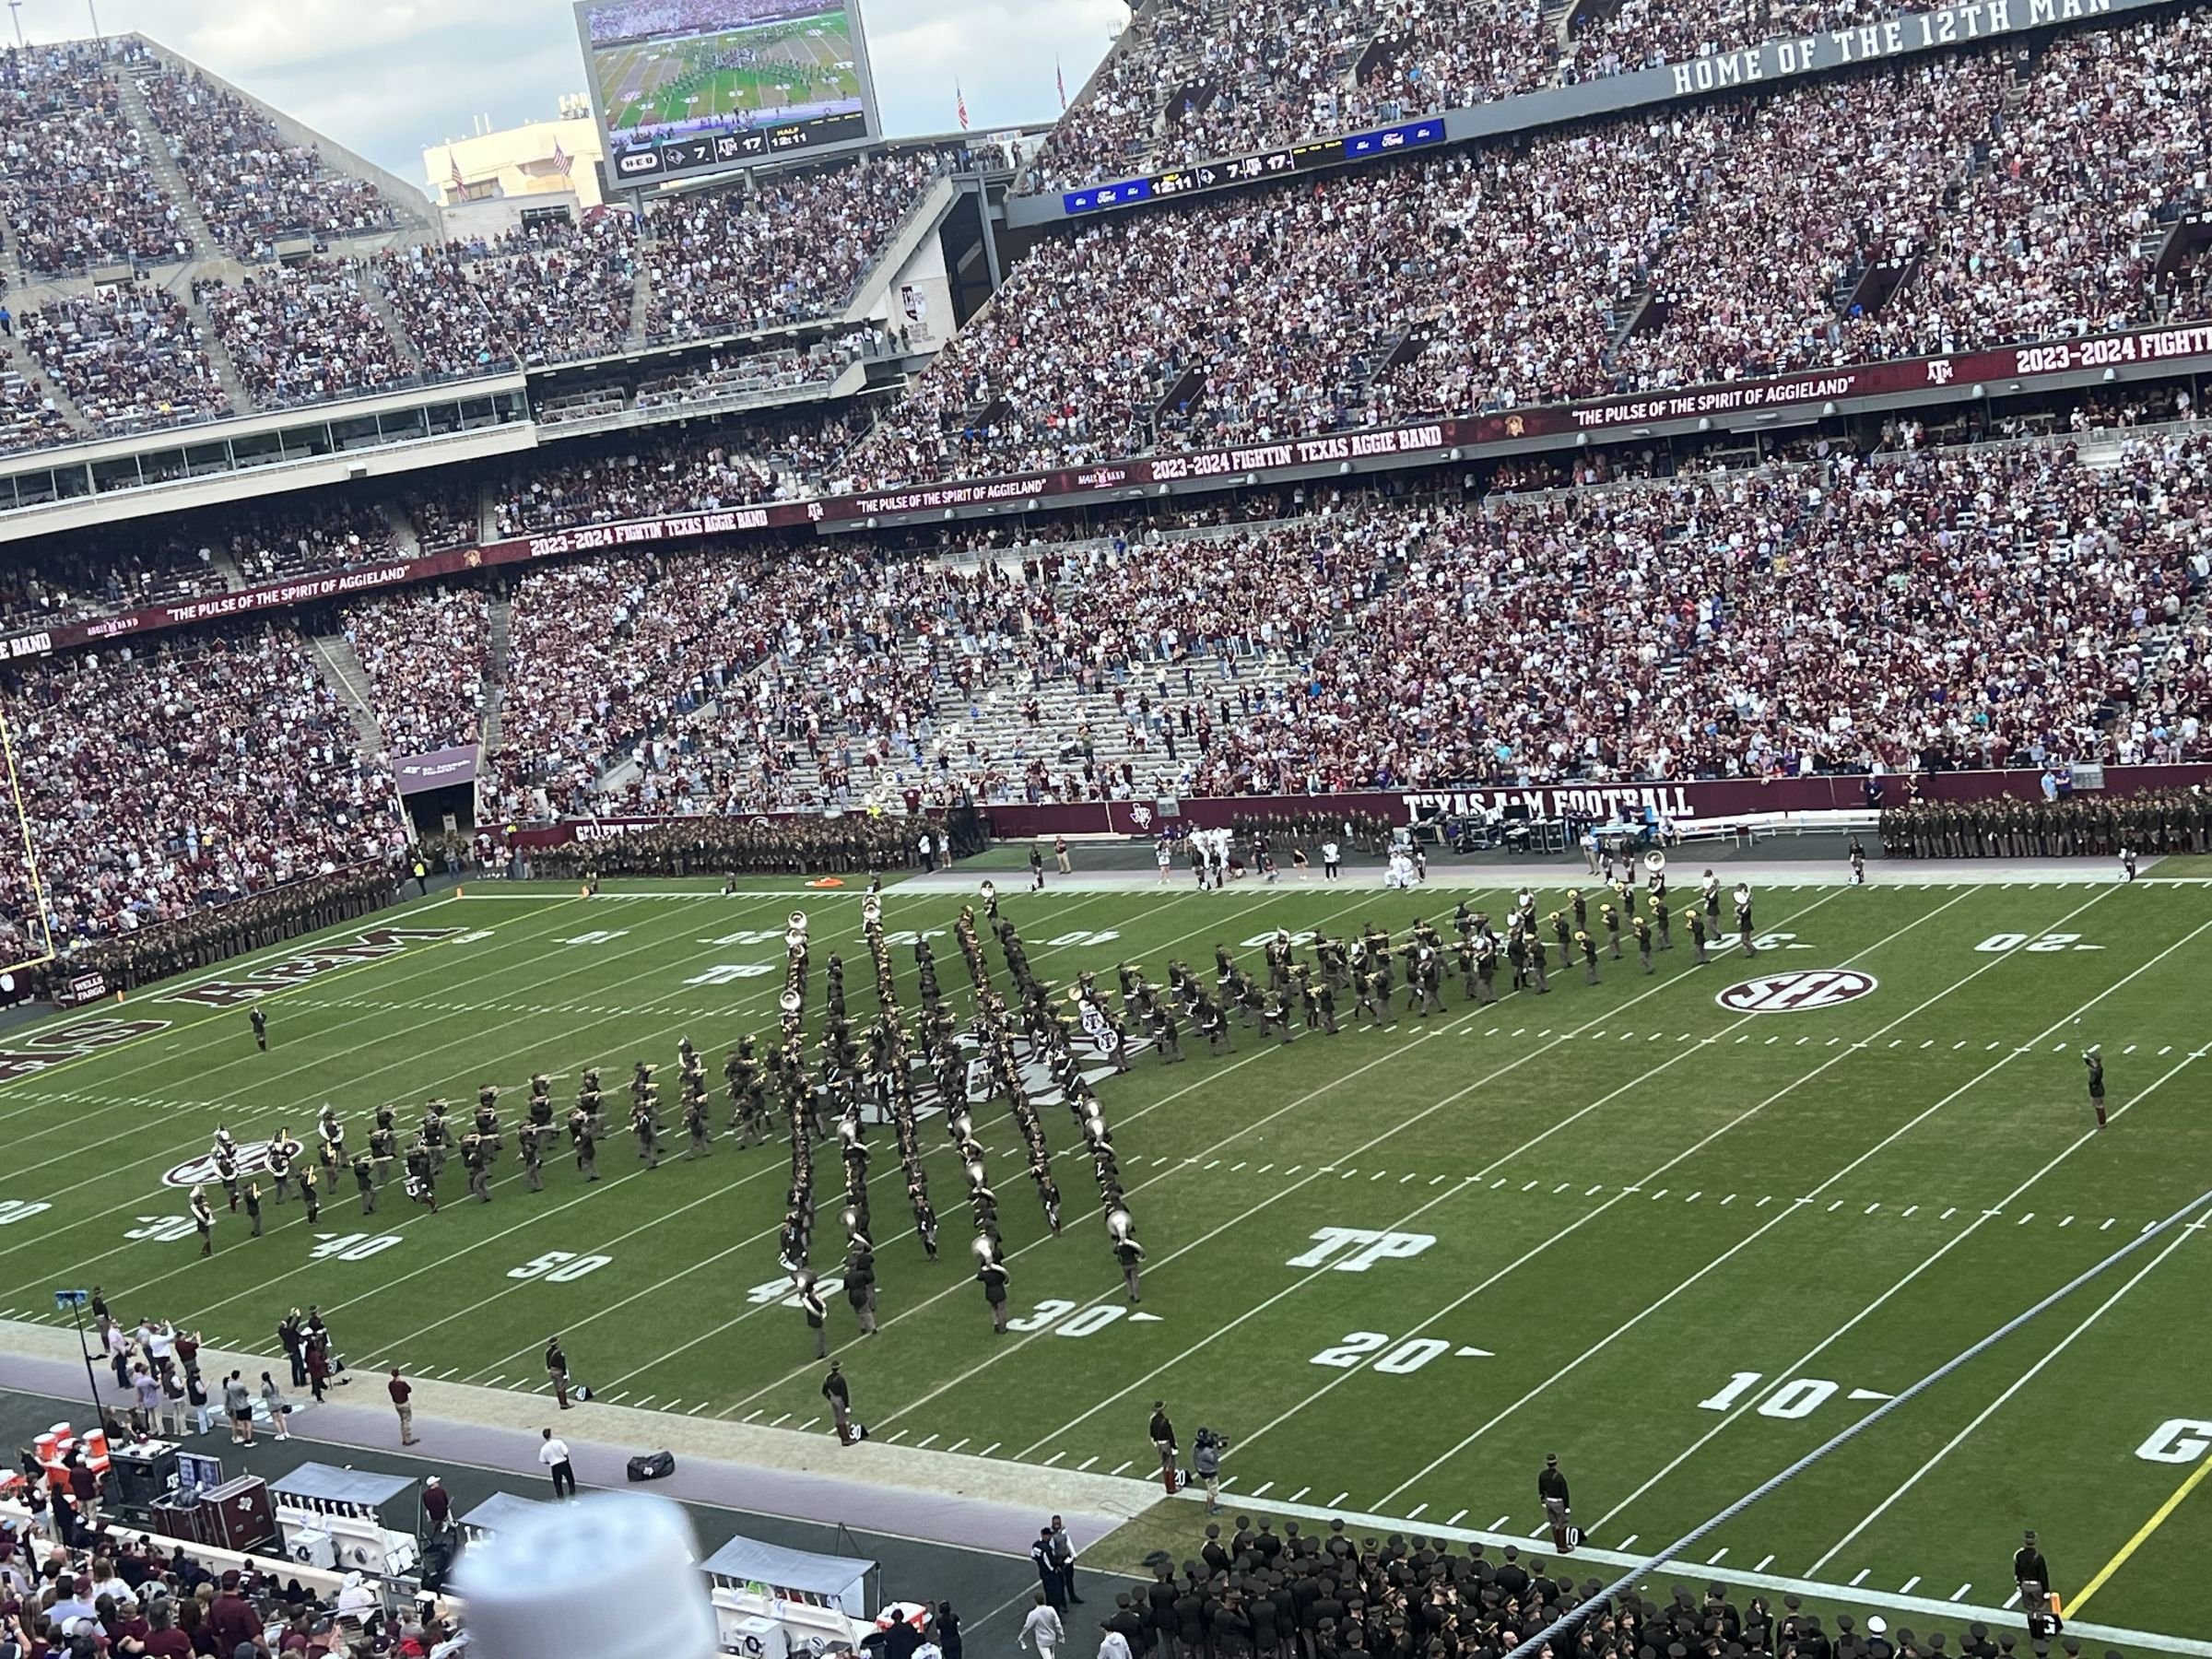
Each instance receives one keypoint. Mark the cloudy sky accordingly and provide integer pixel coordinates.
(385, 77)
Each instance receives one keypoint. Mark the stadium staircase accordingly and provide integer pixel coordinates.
(342, 668)
(163, 166)
(218, 357)
(380, 304)
(499, 650)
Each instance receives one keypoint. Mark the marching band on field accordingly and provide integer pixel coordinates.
(1020, 1046)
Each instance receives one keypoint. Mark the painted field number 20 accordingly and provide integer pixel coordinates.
(1998, 944)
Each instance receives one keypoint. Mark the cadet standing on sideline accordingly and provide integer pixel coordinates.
(260, 1020)
(1551, 1487)
(839, 1393)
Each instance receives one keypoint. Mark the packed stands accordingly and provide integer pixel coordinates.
(304, 334)
(130, 357)
(252, 185)
(764, 460)
(241, 775)
(446, 513)
(101, 574)
(29, 416)
(790, 251)
(546, 293)
(76, 189)
(272, 540)
(424, 652)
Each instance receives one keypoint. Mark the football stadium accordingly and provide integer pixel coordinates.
(1463, 747)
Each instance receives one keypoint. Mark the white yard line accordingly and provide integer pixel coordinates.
(1450, 1192)
(2181, 1237)
(1796, 1367)
(1779, 1218)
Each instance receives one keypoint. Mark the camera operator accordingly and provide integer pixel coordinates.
(1206, 1463)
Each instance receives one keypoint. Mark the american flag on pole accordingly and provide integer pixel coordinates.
(561, 159)
(961, 99)
(1060, 75)
(460, 185)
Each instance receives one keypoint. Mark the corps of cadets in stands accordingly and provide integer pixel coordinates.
(2166, 820)
(206, 937)
(1022, 1045)
(854, 844)
(1334, 1596)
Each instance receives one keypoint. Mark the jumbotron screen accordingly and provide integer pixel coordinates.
(688, 86)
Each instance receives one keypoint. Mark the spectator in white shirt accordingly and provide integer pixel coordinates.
(1041, 1630)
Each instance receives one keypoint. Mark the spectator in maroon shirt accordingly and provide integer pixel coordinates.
(436, 1504)
(232, 1619)
(164, 1640)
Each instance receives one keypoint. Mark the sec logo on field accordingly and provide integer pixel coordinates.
(1797, 993)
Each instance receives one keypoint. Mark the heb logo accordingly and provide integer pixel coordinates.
(371, 946)
(1797, 993)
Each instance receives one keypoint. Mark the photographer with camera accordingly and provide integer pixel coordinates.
(1205, 1463)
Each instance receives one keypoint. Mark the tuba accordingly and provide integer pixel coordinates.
(988, 892)
(1654, 861)
(790, 1002)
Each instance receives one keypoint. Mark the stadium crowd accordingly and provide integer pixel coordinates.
(253, 186)
(790, 250)
(425, 650)
(242, 773)
(130, 357)
(76, 189)
(303, 333)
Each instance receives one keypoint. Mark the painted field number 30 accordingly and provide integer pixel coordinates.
(559, 1266)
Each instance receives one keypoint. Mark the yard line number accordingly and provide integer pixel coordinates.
(559, 1267)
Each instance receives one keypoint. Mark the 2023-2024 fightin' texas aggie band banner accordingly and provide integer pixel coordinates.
(2006, 368)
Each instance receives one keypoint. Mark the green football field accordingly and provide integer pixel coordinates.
(1681, 1229)
(658, 83)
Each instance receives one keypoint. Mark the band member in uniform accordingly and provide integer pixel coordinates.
(1697, 937)
(1642, 930)
(364, 1177)
(475, 1157)
(649, 1133)
(1129, 1253)
(253, 1206)
(817, 1314)
(2093, 1058)
(203, 1217)
(436, 1134)
(991, 1272)
(1743, 918)
(2127, 865)
(1588, 946)
(1709, 887)
(1536, 968)
(1858, 863)
(259, 1019)
(1663, 919)
(585, 1139)
(422, 1175)
(860, 1283)
(695, 1121)
(1612, 920)
(533, 1140)
(225, 1172)
(281, 1151)
(383, 1145)
(310, 1191)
